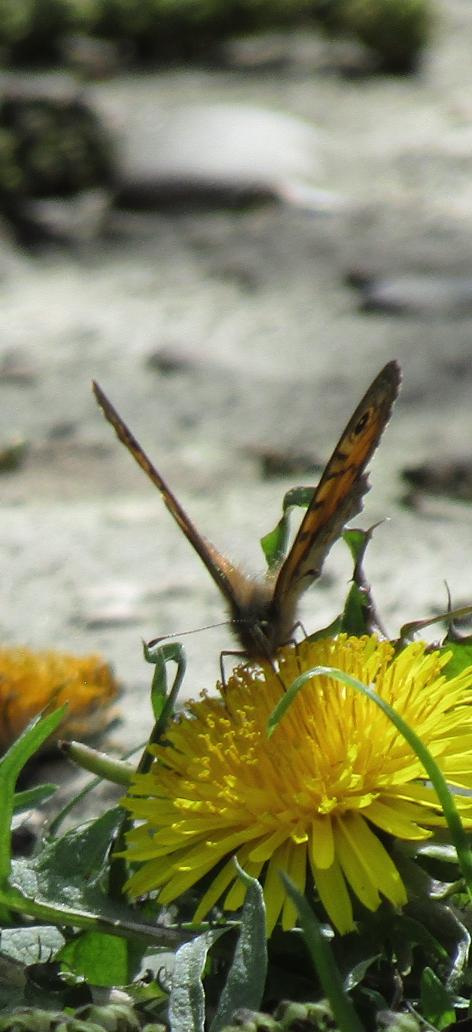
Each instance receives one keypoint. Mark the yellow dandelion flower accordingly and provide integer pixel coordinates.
(316, 798)
(30, 680)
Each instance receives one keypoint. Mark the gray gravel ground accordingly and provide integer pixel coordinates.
(271, 349)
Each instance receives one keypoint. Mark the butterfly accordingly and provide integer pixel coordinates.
(263, 611)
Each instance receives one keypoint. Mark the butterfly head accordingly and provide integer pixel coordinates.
(260, 622)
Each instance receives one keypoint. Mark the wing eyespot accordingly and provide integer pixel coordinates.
(361, 425)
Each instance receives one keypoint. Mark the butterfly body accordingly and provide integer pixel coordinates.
(263, 611)
(260, 622)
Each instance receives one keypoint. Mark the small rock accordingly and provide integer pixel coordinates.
(90, 57)
(169, 360)
(112, 605)
(225, 153)
(450, 477)
(275, 462)
(422, 295)
(16, 369)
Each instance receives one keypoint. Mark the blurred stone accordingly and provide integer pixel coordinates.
(15, 369)
(169, 360)
(451, 477)
(111, 604)
(81, 218)
(90, 57)
(423, 295)
(229, 153)
(262, 51)
(275, 462)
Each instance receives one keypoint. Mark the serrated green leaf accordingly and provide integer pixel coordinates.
(67, 883)
(245, 983)
(436, 1001)
(80, 854)
(100, 958)
(79, 906)
(187, 998)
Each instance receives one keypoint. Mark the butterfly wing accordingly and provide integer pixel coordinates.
(222, 571)
(339, 494)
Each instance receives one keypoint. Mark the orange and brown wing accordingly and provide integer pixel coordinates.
(338, 496)
(220, 568)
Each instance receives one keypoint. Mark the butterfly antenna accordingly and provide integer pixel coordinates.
(181, 634)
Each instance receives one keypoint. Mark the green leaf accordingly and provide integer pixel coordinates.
(246, 979)
(187, 998)
(360, 614)
(357, 972)
(323, 960)
(444, 852)
(460, 659)
(35, 944)
(67, 883)
(11, 765)
(75, 904)
(436, 1001)
(288, 697)
(357, 541)
(32, 797)
(80, 855)
(275, 543)
(437, 927)
(100, 958)
(415, 932)
(354, 618)
(298, 497)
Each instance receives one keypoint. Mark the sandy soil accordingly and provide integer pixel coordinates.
(271, 349)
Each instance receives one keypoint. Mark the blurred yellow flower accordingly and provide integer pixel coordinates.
(316, 799)
(30, 680)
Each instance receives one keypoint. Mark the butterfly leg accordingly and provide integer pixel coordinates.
(223, 655)
(298, 626)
